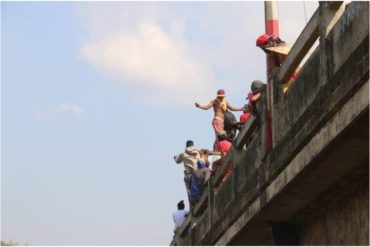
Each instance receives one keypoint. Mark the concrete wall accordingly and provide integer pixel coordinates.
(341, 217)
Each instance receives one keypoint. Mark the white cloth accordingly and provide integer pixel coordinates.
(179, 217)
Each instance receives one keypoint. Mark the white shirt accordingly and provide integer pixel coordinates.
(190, 158)
(179, 217)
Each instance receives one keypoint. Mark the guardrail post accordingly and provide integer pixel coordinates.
(210, 202)
(329, 14)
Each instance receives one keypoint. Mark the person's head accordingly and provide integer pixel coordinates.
(180, 205)
(265, 41)
(247, 108)
(256, 86)
(220, 94)
(189, 143)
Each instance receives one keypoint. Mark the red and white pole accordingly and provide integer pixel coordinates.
(271, 18)
(271, 28)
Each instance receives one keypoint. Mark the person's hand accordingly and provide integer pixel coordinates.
(197, 105)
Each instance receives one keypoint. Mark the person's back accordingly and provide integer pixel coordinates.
(179, 215)
(189, 158)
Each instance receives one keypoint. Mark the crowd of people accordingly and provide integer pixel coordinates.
(196, 168)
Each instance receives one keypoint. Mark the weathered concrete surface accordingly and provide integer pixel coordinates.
(289, 192)
(340, 216)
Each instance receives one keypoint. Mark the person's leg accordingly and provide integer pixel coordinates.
(187, 185)
(218, 126)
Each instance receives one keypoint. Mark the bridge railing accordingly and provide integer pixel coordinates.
(251, 168)
(317, 25)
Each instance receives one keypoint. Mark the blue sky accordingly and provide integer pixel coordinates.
(98, 97)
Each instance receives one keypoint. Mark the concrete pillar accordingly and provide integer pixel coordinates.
(329, 14)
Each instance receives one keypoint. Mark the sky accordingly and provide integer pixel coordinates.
(97, 98)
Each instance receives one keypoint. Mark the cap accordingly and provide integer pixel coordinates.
(260, 42)
(221, 93)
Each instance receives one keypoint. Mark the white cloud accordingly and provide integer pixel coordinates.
(66, 108)
(151, 57)
(180, 52)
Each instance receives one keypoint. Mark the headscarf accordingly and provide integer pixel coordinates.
(221, 103)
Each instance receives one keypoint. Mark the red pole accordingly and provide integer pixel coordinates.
(271, 28)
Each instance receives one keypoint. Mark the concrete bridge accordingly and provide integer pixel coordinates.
(310, 186)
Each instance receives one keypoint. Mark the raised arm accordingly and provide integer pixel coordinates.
(206, 107)
(178, 159)
(233, 108)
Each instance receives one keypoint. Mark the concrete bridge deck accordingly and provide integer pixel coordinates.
(312, 187)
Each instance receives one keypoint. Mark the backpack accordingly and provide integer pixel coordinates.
(230, 125)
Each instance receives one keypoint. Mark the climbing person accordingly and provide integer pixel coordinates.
(280, 50)
(198, 179)
(179, 215)
(275, 46)
(220, 106)
(190, 159)
(254, 95)
(247, 109)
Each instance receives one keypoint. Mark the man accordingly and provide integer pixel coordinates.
(254, 95)
(220, 106)
(179, 215)
(190, 159)
(274, 46)
(280, 50)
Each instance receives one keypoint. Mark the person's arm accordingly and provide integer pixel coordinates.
(206, 107)
(234, 108)
(178, 159)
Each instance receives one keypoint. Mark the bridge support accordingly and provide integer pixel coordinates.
(284, 233)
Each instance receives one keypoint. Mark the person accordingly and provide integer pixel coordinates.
(179, 215)
(198, 179)
(246, 113)
(225, 146)
(254, 95)
(280, 50)
(275, 46)
(190, 159)
(220, 106)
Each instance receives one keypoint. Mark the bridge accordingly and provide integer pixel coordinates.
(310, 185)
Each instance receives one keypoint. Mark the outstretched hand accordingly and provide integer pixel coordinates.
(196, 104)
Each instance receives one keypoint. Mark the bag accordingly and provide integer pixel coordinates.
(230, 125)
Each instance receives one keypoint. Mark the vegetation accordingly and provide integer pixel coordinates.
(7, 243)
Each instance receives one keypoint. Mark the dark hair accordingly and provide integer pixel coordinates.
(189, 143)
(180, 205)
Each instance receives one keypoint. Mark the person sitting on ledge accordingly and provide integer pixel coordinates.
(179, 215)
